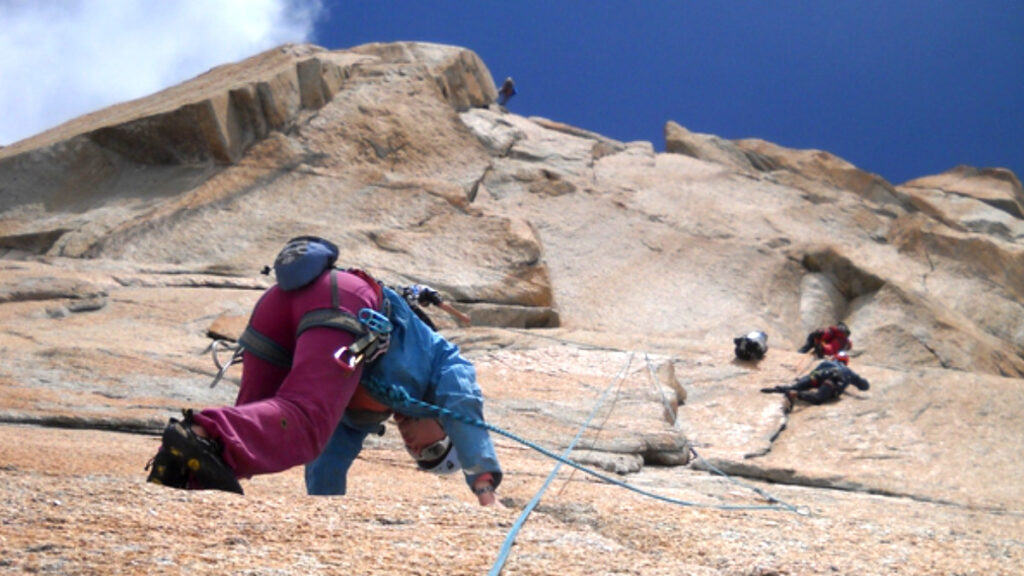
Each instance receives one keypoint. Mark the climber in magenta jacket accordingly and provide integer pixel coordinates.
(298, 404)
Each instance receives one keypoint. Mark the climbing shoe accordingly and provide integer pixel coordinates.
(166, 470)
(189, 461)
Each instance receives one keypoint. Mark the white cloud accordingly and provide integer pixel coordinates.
(63, 58)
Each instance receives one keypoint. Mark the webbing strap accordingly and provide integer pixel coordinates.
(331, 318)
(334, 317)
(335, 297)
(264, 348)
(340, 320)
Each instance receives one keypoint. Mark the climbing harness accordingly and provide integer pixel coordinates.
(371, 329)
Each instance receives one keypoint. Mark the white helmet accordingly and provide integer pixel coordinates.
(428, 444)
(439, 458)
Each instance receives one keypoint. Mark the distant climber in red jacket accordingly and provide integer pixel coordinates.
(828, 342)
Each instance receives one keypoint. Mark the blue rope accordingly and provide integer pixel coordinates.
(398, 397)
(506, 548)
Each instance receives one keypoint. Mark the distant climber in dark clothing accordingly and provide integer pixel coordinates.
(507, 91)
(825, 383)
(827, 342)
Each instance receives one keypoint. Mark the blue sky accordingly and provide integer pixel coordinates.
(902, 88)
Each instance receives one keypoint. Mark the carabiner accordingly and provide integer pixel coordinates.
(346, 359)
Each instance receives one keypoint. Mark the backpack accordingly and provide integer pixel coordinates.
(302, 260)
(752, 346)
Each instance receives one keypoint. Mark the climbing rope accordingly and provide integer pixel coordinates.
(593, 441)
(510, 538)
(704, 461)
(664, 399)
(398, 398)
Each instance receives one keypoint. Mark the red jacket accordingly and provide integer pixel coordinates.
(832, 340)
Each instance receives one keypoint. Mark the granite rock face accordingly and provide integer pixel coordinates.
(605, 281)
